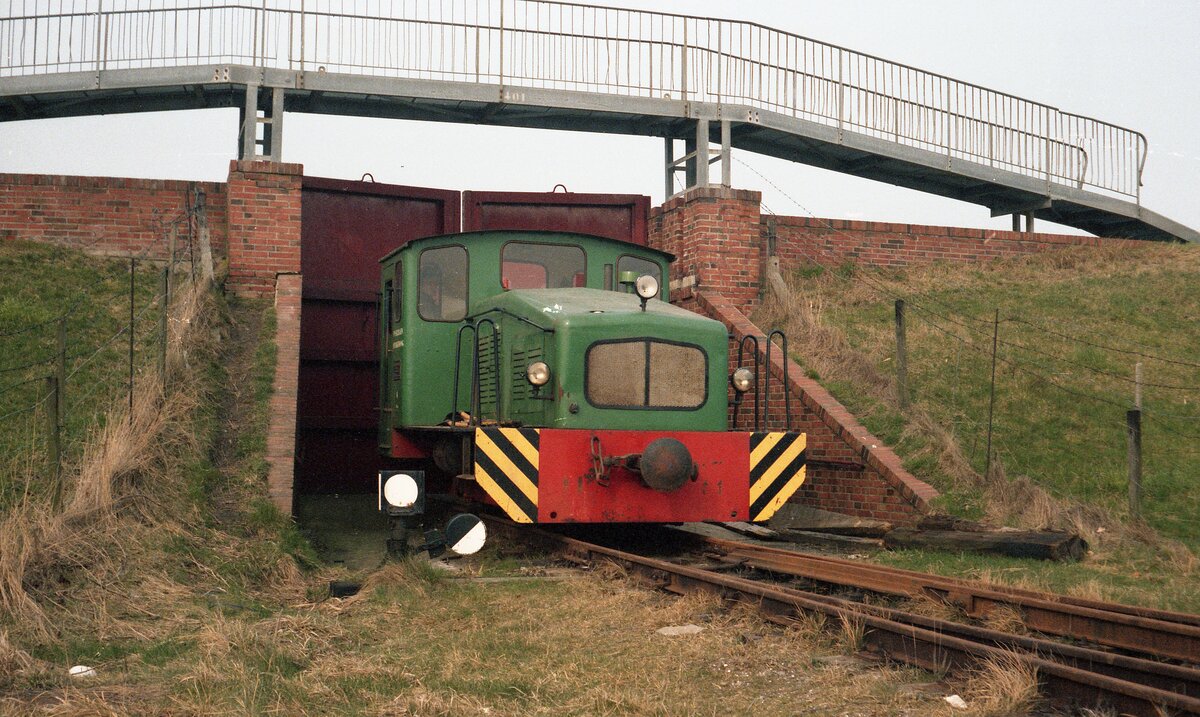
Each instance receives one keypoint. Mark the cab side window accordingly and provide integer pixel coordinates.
(443, 284)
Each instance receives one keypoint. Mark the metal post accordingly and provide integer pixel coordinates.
(726, 154)
(164, 292)
(1133, 426)
(1016, 222)
(249, 143)
(683, 64)
(701, 153)
(689, 174)
(61, 365)
(275, 128)
(501, 68)
(668, 167)
(1029, 222)
(992, 400)
(132, 268)
(53, 441)
(901, 356)
(302, 27)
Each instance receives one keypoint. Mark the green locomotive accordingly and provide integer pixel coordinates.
(547, 373)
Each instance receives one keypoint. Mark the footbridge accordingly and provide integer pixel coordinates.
(715, 84)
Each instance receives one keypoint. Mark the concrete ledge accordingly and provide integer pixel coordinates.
(281, 429)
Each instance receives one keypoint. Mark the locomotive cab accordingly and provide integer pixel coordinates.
(548, 374)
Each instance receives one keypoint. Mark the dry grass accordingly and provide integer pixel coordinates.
(38, 547)
(1003, 686)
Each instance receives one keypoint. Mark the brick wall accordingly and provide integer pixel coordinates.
(105, 215)
(264, 225)
(850, 470)
(714, 233)
(808, 240)
(281, 429)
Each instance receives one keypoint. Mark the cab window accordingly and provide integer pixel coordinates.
(524, 265)
(443, 284)
(640, 266)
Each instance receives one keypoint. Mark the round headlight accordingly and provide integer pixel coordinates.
(742, 380)
(646, 286)
(538, 373)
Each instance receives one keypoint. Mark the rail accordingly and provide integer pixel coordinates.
(588, 48)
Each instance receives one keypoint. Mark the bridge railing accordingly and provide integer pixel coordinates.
(567, 46)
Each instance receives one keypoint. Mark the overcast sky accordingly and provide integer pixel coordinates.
(1135, 64)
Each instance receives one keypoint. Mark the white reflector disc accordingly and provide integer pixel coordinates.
(401, 491)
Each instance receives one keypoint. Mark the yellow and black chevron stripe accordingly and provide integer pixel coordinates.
(776, 471)
(506, 466)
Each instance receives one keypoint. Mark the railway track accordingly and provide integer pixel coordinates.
(1133, 684)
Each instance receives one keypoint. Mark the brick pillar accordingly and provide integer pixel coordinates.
(281, 428)
(263, 208)
(715, 233)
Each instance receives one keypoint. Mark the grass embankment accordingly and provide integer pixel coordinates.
(171, 574)
(1073, 323)
(39, 284)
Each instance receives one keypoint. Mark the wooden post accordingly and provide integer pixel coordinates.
(164, 289)
(206, 259)
(901, 356)
(987, 466)
(61, 366)
(132, 267)
(1133, 429)
(172, 238)
(1137, 386)
(53, 441)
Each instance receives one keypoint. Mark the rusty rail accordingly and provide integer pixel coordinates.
(1109, 625)
(925, 642)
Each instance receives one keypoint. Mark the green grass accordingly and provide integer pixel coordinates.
(38, 285)
(1060, 404)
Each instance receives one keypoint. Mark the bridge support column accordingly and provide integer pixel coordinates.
(272, 122)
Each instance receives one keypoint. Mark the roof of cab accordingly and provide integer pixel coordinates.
(583, 301)
(509, 234)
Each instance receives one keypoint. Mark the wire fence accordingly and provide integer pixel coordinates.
(64, 374)
(1088, 413)
(543, 44)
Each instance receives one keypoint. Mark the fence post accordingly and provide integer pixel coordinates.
(132, 268)
(901, 356)
(61, 365)
(206, 259)
(1133, 429)
(1137, 386)
(164, 292)
(172, 238)
(53, 441)
(987, 467)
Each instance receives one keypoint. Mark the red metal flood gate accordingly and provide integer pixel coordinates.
(347, 227)
(616, 216)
